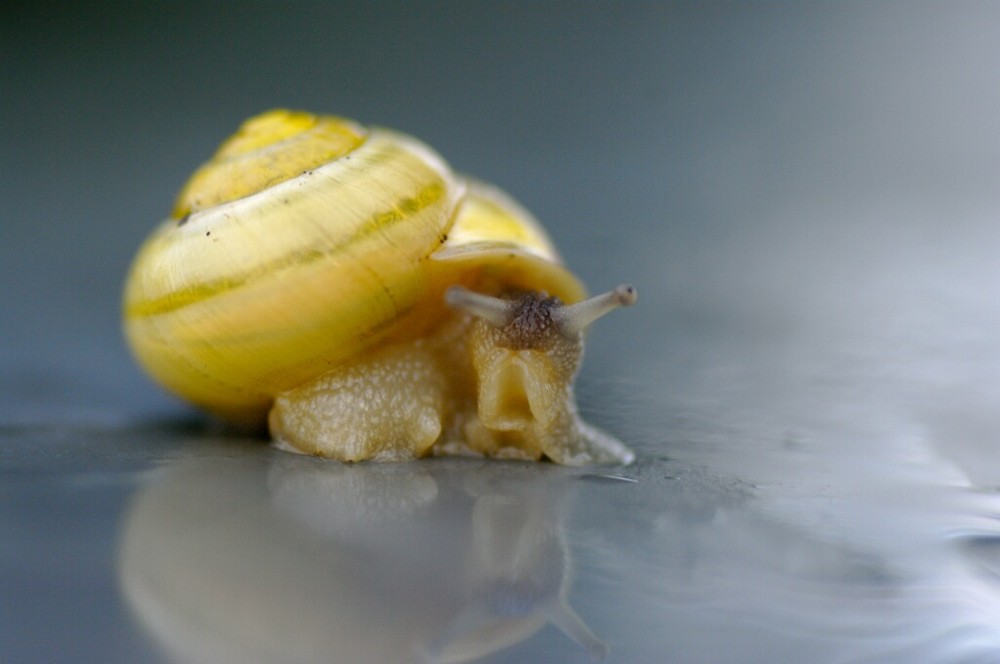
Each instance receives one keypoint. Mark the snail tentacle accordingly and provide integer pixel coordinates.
(493, 310)
(572, 319)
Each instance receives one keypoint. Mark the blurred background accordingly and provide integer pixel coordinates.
(806, 196)
(789, 165)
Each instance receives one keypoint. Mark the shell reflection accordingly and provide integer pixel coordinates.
(283, 558)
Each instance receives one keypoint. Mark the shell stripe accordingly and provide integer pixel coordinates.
(397, 212)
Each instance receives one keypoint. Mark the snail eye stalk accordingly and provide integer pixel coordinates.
(569, 320)
(573, 319)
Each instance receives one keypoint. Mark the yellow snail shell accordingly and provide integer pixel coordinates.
(302, 280)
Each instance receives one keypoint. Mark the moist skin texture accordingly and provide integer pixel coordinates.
(473, 388)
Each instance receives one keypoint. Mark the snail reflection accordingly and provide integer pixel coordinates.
(283, 558)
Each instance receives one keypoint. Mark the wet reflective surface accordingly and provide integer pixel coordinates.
(173, 543)
(807, 201)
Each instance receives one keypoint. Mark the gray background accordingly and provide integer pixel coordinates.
(766, 160)
(806, 196)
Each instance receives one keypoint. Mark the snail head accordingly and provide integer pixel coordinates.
(526, 351)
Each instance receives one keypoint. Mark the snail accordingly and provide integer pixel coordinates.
(343, 285)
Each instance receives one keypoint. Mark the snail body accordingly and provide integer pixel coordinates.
(344, 285)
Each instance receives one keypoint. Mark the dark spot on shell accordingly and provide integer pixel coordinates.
(183, 220)
(207, 233)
